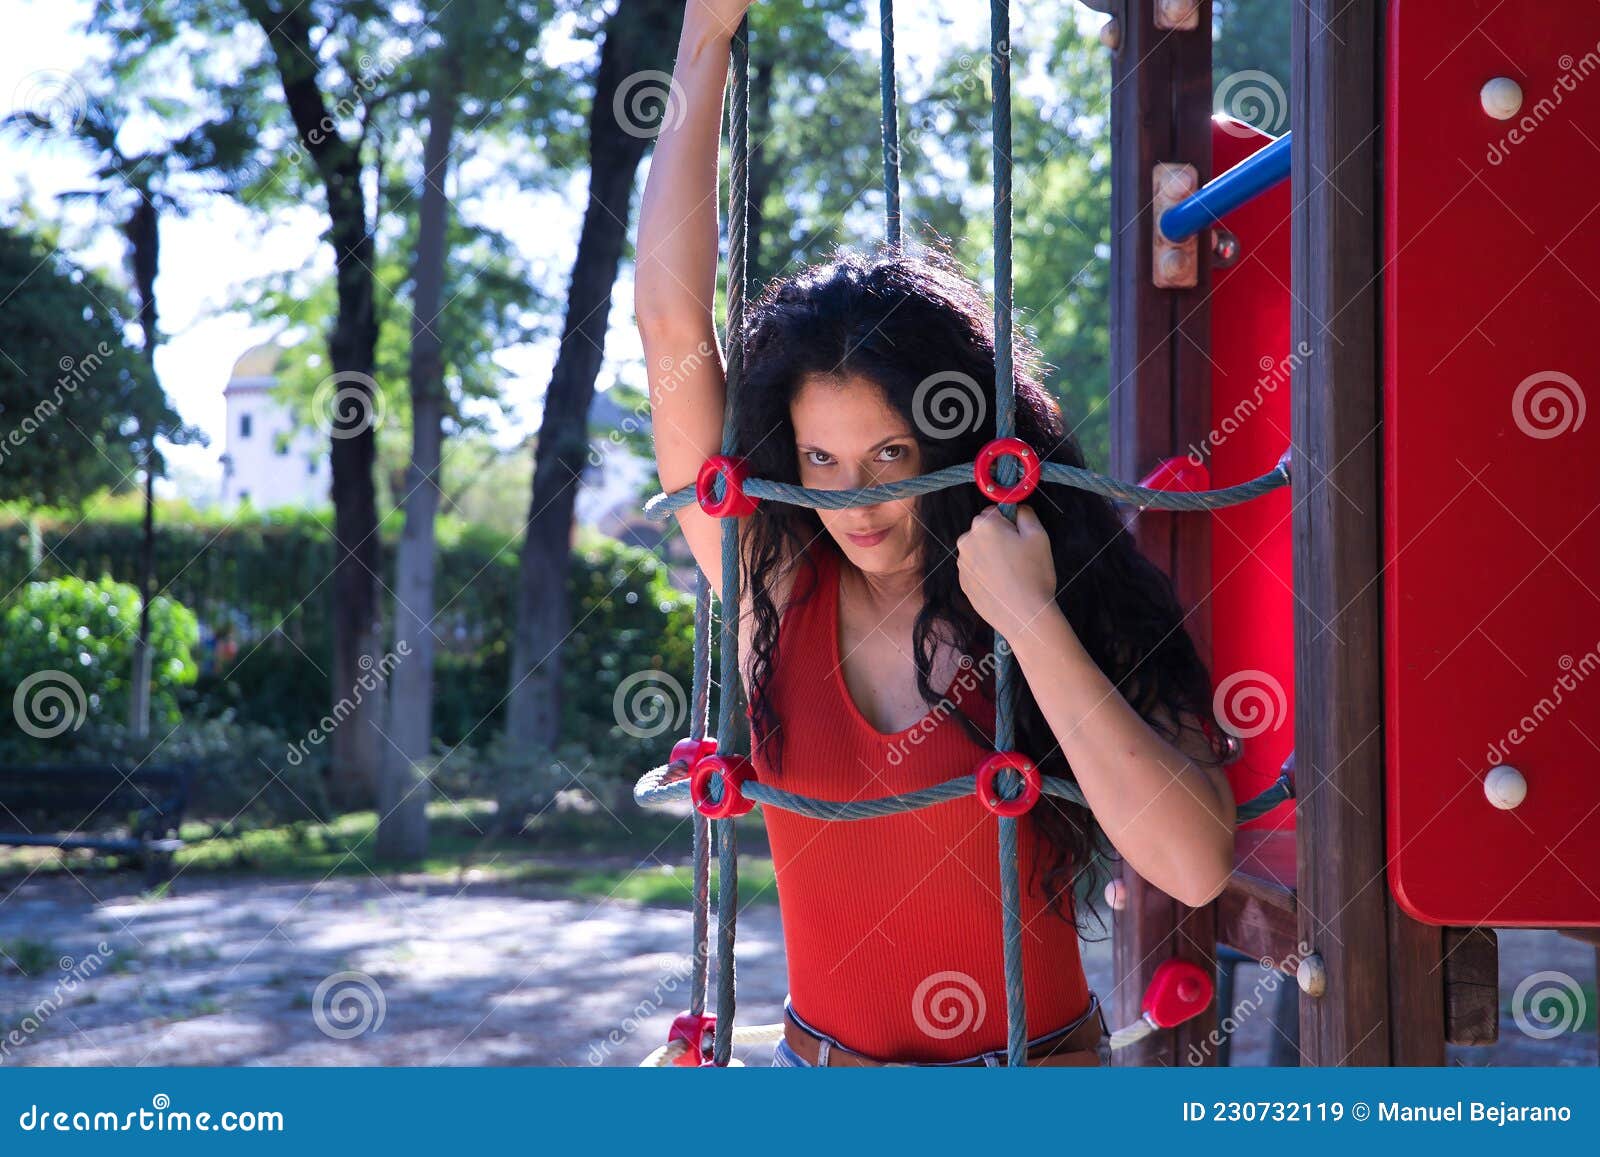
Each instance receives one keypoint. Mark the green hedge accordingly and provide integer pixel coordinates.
(259, 587)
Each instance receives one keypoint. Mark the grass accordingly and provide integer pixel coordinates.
(583, 852)
(26, 956)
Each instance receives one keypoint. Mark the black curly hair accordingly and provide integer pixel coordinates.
(898, 320)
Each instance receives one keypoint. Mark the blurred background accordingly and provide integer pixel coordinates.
(332, 635)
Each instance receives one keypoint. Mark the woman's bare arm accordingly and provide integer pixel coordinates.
(676, 275)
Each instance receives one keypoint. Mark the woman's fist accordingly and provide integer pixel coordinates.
(1007, 571)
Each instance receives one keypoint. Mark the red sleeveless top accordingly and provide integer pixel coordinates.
(892, 925)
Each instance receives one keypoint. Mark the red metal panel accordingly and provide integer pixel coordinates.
(1491, 540)
(1252, 594)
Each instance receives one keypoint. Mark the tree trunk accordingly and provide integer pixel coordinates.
(144, 257)
(357, 616)
(403, 789)
(639, 36)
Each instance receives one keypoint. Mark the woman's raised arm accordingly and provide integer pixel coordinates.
(676, 269)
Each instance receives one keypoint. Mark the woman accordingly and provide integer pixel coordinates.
(866, 634)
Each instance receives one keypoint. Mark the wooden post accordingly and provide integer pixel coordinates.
(1160, 404)
(1384, 998)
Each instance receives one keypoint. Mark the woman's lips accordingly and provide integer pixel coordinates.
(868, 539)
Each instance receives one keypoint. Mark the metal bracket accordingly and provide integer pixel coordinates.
(1181, 15)
(1173, 264)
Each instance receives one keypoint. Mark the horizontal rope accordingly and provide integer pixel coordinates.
(664, 784)
(662, 506)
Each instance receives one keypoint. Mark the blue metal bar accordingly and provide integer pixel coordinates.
(1222, 195)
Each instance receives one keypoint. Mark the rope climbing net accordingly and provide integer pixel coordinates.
(722, 784)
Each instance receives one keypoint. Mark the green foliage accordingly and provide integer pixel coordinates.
(87, 630)
(73, 395)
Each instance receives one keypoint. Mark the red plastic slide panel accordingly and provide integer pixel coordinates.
(1252, 581)
(1491, 298)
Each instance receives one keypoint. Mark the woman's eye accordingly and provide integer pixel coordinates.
(814, 455)
(898, 452)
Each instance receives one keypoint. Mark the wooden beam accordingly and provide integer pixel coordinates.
(1160, 398)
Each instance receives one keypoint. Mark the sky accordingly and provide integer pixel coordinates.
(203, 337)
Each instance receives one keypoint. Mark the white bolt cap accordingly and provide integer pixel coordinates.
(1505, 786)
(1116, 895)
(1501, 97)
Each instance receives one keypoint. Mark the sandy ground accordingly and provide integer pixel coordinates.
(400, 971)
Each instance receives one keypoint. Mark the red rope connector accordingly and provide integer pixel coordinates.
(691, 1030)
(990, 797)
(734, 770)
(734, 502)
(1179, 989)
(992, 452)
(691, 751)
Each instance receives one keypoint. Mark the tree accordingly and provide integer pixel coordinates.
(75, 394)
(639, 40)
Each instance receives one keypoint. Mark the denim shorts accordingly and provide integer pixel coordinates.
(784, 1057)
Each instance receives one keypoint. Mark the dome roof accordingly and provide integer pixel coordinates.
(257, 362)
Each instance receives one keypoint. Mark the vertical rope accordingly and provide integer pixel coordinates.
(891, 126)
(700, 697)
(726, 837)
(1008, 784)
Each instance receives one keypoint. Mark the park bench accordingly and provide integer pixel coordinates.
(133, 813)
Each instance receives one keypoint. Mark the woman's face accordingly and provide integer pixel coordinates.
(847, 436)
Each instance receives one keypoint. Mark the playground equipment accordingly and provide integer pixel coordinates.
(1219, 351)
